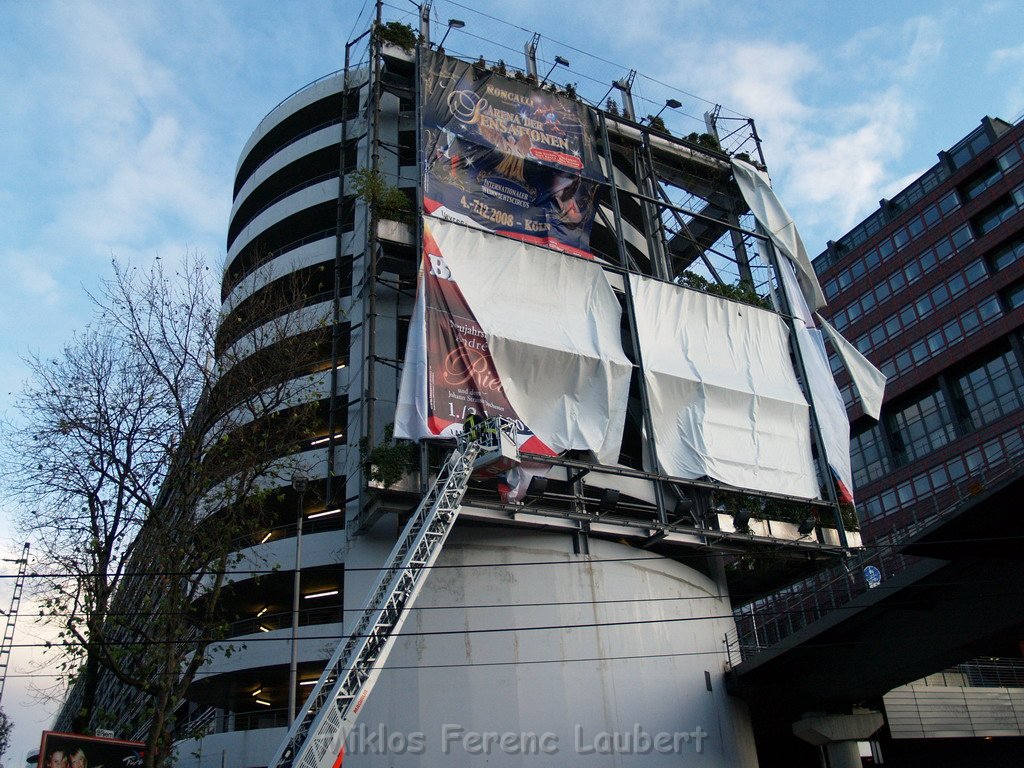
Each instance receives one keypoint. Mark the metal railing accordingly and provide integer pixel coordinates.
(764, 623)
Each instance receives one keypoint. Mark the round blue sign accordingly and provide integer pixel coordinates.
(872, 576)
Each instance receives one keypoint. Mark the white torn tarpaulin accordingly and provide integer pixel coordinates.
(868, 381)
(518, 331)
(725, 401)
(775, 220)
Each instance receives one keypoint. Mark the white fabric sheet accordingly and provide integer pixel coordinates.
(868, 381)
(725, 401)
(411, 410)
(828, 402)
(778, 224)
(552, 328)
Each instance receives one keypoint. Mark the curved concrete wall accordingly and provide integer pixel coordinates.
(634, 640)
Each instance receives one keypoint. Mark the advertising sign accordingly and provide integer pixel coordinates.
(507, 156)
(461, 378)
(69, 750)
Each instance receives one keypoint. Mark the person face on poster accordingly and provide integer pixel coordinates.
(78, 759)
(563, 192)
(57, 759)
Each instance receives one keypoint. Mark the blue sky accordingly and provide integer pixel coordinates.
(122, 122)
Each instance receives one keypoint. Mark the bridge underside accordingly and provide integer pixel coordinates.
(963, 599)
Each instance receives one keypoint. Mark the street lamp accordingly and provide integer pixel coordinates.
(673, 103)
(300, 482)
(452, 24)
(558, 60)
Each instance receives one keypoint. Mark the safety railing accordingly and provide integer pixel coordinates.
(765, 622)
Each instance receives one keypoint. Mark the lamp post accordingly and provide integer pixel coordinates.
(558, 60)
(673, 103)
(452, 24)
(300, 482)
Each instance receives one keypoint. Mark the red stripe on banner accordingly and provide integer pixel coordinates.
(341, 756)
(535, 445)
(430, 205)
(546, 242)
(436, 425)
(845, 495)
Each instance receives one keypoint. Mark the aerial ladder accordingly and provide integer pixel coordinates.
(317, 736)
(12, 616)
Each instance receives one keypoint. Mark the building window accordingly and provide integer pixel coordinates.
(988, 176)
(868, 456)
(1008, 159)
(991, 390)
(1008, 254)
(920, 428)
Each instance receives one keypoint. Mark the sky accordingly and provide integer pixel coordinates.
(121, 124)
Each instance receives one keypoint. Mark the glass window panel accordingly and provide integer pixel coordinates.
(931, 215)
(989, 309)
(940, 294)
(962, 237)
(957, 284)
(913, 271)
(970, 322)
(920, 427)
(1008, 159)
(928, 260)
(949, 203)
(944, 249)
(975, 272)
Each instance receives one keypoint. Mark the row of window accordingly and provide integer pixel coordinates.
(943, 476)
(990, 174)
(891, 245)
(925, 304)
(879, 219)
(999, 211)
(981, 395)
(966, 324)
(910, 273)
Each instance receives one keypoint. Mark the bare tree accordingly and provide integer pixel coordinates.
(146, 451)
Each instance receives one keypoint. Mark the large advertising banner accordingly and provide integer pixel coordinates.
(448, 345)
(507, 156)
(68, 750)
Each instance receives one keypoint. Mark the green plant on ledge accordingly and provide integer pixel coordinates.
(742, 292)
(390, 460)
(398, 34)
(385, 201)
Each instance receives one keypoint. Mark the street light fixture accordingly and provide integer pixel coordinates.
(673, 103)
(558, 60)
(300, 482)
(452, 24)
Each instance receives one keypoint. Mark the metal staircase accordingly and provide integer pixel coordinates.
(317, 737)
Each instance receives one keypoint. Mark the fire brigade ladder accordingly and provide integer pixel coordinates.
(12, 617)
(317, 737)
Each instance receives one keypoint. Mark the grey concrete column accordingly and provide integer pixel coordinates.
(839, 734)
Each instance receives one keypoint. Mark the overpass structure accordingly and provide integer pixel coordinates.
(946, 588)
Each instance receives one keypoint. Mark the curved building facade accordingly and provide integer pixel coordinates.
(579, 608)
(565, 646)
